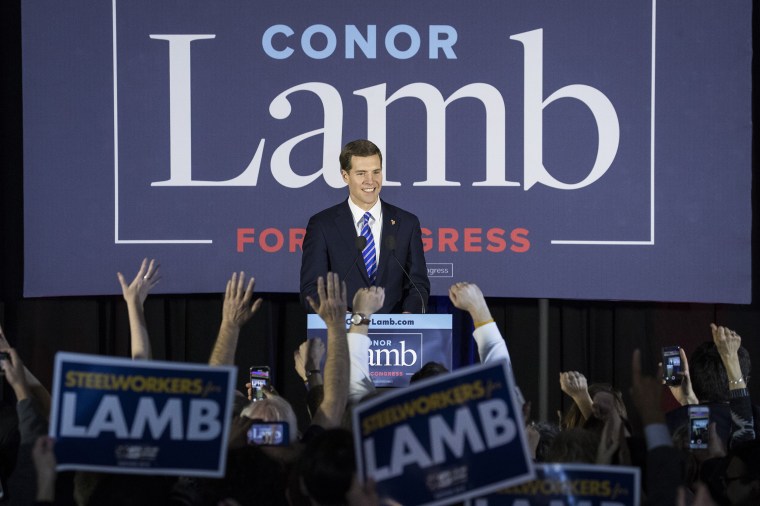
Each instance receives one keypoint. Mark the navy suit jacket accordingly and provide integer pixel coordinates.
(330, 246)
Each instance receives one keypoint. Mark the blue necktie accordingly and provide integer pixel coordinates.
(369, 254)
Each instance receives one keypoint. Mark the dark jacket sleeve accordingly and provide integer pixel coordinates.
(314, 262)
(417, 269)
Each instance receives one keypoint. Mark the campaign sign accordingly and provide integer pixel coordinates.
(141, 417)
(551, 144)
(400, 344)
(442, 440)
(571, 484)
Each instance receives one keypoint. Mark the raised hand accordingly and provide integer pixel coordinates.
(308, 356)
(3, 341)
(683, 393)
(147, 277)
(468, 297)
(332, 300)
(368, 300)
(15, 373)
(728, 343)
(573, 383)
(646, 392)
(726, 340)
(237, 308)
(44, 464)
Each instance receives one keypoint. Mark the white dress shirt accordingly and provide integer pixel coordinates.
(375, 223)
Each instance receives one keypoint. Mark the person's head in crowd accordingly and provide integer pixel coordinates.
(708, 374)
(607, 398)
(239, 403)
(742, 474)
(604, 398)
(429, 370)
(251, 478)
(547, 433)
(574, 445)
(126, 489)
(327, 471)
(273, 409)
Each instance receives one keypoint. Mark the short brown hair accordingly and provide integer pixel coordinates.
(359, 147)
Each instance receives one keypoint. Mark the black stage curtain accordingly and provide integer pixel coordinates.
(594, 337)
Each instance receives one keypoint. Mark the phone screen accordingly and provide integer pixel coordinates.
(259, 376)
(671, 365)
(699, 419)
(269, 434)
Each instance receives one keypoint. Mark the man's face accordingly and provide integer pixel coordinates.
(364, 180)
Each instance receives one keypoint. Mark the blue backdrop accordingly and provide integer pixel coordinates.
(587, 150)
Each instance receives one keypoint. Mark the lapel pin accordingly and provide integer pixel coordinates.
(393, 222)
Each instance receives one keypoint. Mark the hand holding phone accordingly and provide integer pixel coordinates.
(260, 378)
(671, 365)
(699, 420)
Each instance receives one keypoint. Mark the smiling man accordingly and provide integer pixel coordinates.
(392, 239)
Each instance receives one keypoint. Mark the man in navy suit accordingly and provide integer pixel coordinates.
(331, 242)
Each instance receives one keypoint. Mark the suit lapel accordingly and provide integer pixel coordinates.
(390, 227)
(344, 223)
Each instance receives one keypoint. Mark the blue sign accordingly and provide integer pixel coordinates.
(442, 440)
(142, 417)
(580, 484)
(553, 145)
(400, 344)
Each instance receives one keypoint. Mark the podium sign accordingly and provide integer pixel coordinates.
(400, 344)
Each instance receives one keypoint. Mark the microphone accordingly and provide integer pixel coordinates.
(390, 243)
(359, 243)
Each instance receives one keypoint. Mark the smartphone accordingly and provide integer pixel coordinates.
(671, 365)
(269, 434)
(259, 379)
(699, 419)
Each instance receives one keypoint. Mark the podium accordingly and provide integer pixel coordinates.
(400, 344)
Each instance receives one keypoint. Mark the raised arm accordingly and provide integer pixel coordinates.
(29, 384)
(308, 362)
(366, 302)
(332, 309)
(135, 294)
(728, 343)
(491, 345)
(575, 385)
(684, 393)
(44, 465)
(236, 312)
